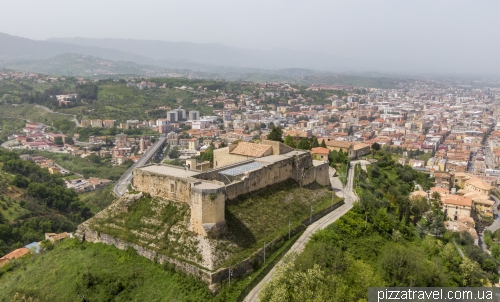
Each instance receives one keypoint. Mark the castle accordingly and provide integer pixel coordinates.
(238, 169)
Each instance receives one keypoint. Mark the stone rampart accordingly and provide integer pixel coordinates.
(167, 186)
(213, 279)
(206, 195)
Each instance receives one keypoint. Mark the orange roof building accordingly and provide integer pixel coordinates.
(13, 255)
(456, 206)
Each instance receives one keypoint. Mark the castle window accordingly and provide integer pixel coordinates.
(172, 188)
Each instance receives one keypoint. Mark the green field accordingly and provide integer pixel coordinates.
(262, 216)
(99, 273)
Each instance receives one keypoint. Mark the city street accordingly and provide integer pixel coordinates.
(124, 181)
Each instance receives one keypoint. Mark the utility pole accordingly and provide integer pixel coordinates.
(289, 223)
(311, 215)
(264, 252)
(230, 274)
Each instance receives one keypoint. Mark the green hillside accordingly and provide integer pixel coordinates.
(32, 113)
(73, 271)
(71, 64)
(386, 239)
(160, 225)
(34, 202)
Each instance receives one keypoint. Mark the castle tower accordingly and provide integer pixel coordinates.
(207, 209)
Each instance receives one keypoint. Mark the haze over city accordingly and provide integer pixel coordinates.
(426, 37)
(255, 151)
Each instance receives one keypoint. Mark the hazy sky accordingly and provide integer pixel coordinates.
(455, 35)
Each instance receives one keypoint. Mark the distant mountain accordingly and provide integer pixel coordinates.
(101, 57)
(185, 53)
(15, 48)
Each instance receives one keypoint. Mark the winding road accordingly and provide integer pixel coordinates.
(51, 111)
(349, 199)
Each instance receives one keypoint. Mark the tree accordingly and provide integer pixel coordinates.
(314, 142)
(208, 155)
(304, 144)
(174, 153)
(290, 141)
(323, 144)
(471, 273)
(68, 140)
(276, 134)
(350, 131)
(94, 159)
(375, 147)
(436, 197)
(58, 141)
(435, 224)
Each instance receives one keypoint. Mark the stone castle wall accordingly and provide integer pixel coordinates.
(222, 157)
(207, 196)
(210, 278)
(207, 210)
(166, 186)
(321, 174)
(260, 178)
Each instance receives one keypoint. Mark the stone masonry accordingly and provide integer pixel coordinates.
(207, 192)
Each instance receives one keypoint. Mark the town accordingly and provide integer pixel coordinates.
(251, 141)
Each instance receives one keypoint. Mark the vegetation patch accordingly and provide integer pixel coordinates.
(386, 239)
(75, 271)
(99, 199)
(34, 202)
(155, 223)
(264, 215)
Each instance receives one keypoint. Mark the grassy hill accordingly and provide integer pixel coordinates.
(160, 225)
(31, 113)
(98, 272)
(72, 64)
(34, 202)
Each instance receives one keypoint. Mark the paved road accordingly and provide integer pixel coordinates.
(49, 110)
(298, 246)
(496, 223)
(124, 181)
(490, 162)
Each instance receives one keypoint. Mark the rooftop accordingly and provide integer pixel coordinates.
(251, 149)
(458, 200)
(479, 183)
(320, 150)
(241, 169)
(169, 170)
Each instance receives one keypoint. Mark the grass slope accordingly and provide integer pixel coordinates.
(31, 113)
(100, 273)
(262, 216)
